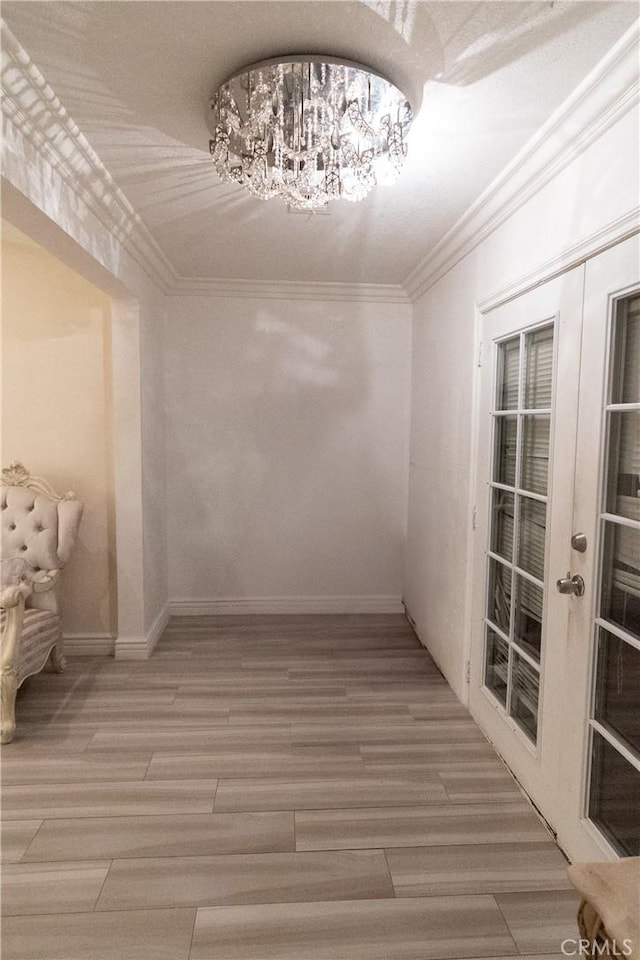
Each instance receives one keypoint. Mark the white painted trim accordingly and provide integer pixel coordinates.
(289, 290)
(127, 433)
(141, 648)
(157, 628)
(604, 96)
(131, 648)
(472, 510)
(88, 644)
(31, 105)
(284, 605)
(616, 231)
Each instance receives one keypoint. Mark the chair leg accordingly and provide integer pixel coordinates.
(57, 658)
(8, 690)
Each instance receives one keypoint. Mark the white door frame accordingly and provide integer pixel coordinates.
(575, 832)
(559, 301)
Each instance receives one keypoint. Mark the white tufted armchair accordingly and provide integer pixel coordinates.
(38, 532)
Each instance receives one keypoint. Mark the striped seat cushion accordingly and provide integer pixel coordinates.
(40, 630)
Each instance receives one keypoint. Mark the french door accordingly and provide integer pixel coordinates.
(555, 667)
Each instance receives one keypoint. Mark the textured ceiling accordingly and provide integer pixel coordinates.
(483, 77)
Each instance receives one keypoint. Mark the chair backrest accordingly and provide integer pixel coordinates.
(38, 526)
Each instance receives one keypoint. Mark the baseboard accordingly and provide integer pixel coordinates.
(157, 628)
(88, 644)
(131, 648)
(284, 605)
(141, 648)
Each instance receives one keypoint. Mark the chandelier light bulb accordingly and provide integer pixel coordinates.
(309, 130)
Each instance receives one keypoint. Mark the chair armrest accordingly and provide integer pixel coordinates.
(11, 596)
(12, 599)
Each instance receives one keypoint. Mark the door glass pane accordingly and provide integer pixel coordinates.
(618, 688)
(613, 801)
(499, 605)
(535, 453)
(502, 524)
(621, 577)
(508, 374)
(624, 464)
(625, 380)
(614, 789)
(497, 666)
(531, 536)
(520, 458)
(528, 616)
(505, 448)
(524, 696)
(538, 369)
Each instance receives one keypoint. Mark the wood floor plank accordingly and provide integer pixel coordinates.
(417, 826)
(426, 754)
(539, 922)
(266, 761)
(55, 888)
(251, 878)
(139, 934)
(147, 713)
(420, 929)
(170, 835)
(477, 868)
(450, 731)
(15, 838)
(269, 695)
(398, 732)
(102, 799)
(189, 739)
(479, 786)
(312, 794)
(97, 692)
(39, 739)
(318, 713)
(428, 710)
(71, 769)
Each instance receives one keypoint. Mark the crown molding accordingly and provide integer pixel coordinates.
(32, 107)
(604, 96)
(289, 290)
(622, 228)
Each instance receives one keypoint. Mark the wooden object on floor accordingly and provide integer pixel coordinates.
(609, 914)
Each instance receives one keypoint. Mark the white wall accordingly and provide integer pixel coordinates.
(287, 426)
(600, 186)
(56, 413)
(154, 492)
(65, 209)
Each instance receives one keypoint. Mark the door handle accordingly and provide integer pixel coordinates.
(571, 584)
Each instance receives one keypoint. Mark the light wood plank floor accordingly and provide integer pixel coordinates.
(269, 788)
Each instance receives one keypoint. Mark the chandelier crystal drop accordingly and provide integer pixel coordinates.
(308, 130)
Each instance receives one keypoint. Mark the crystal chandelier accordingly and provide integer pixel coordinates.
(309, 130)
